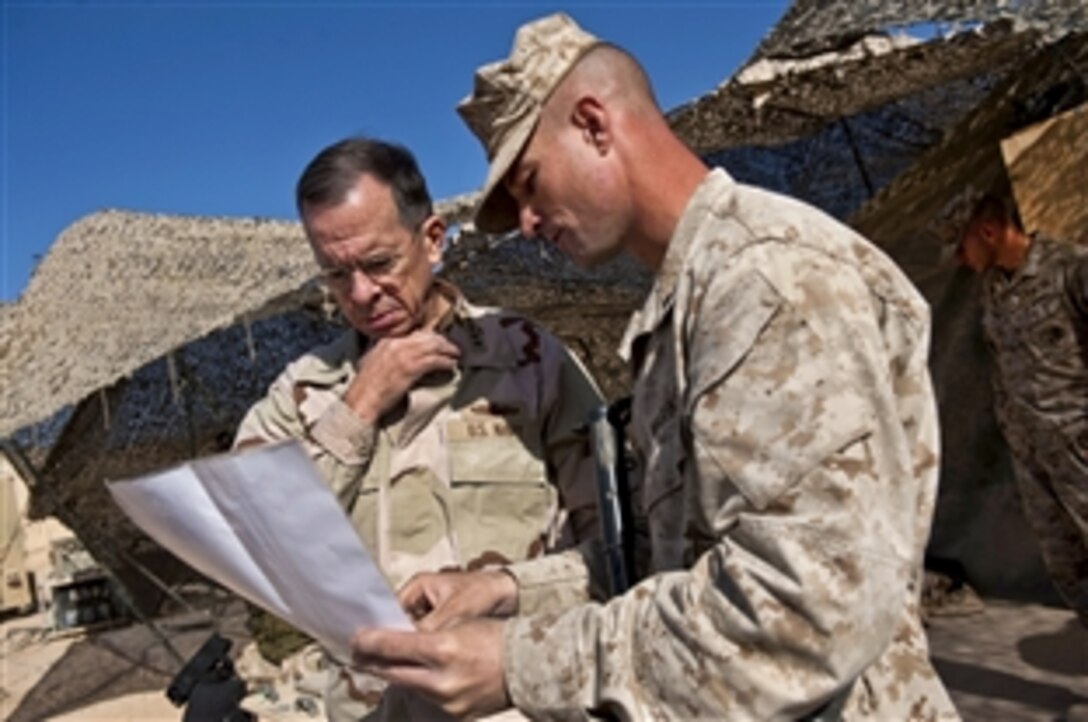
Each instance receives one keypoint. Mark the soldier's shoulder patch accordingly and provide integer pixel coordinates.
(529, 349)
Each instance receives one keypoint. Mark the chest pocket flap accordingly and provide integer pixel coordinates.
(778, 398)
(739, 314)
(489, 448)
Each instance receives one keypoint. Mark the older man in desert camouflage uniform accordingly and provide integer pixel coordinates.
(783, 418)
(1035, 317)
(449, 432)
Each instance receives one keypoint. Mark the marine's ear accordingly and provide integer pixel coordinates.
(591, 116)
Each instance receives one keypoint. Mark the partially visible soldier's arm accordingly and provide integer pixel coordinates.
(570, 396)
(574, 575)
(277, 417)
(338, 441)
(1078, 290)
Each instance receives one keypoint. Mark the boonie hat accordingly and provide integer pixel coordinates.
(507, 96)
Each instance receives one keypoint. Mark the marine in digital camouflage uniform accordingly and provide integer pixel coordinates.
(784, 423)
(1035, 318)
(475, 457)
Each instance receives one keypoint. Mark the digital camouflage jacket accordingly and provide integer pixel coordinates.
(787, 436)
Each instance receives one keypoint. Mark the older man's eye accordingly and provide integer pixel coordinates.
(378, 266)
(335, 275)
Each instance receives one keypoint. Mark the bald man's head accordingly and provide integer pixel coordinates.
(609, 73)
(560, 84)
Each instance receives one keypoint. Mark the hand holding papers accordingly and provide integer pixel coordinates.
(262, 523)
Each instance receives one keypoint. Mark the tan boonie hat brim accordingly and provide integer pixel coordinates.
(504, 107)
(498, 211)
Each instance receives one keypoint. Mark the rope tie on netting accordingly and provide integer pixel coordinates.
(250, 344)
(105, 403)
(172, 372)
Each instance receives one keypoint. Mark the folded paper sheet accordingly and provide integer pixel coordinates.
(262, 523)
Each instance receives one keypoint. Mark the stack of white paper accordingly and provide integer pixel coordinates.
(262, 523)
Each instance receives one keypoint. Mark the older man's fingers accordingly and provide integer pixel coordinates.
(423, 679)
(387, 647)
(452, 612)
(414, 596)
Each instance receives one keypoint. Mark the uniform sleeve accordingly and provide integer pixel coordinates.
(339, 442)
(803, 573)
(560, 581)
(570, 396)
(573, 576)
(1078, 287)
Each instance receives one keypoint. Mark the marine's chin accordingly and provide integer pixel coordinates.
(588, 260)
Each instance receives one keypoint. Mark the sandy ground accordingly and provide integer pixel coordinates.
(117, 674)
(1011, 662)
(1014, 662)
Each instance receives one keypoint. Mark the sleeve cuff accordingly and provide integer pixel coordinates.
(544, 672)
(551, 583)
(344, 434)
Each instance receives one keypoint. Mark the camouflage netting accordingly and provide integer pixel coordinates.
(142, 320)
(814, 26)
(862, 153)
(775, 101)
(120, 289)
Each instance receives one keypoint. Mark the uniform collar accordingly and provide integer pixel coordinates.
(476, 330)
(715, 187)
(1033, 261)
(1001, 280)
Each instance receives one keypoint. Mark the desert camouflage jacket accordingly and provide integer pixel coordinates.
(1036, 324)
(787, 435)
(486, 466)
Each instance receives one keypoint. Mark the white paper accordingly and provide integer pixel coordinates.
(262, 523)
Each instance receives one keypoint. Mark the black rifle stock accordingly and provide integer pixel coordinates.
(606, 430)
(208, 687)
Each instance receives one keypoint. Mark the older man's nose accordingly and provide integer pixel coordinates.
(363, 290)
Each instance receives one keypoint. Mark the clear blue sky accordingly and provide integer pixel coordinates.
(213, 108)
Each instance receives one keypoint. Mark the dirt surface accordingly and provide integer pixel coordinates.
(116, 674)
(1013, 661)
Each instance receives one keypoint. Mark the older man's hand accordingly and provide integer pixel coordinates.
(393, 366)
(459, 668)
(442, 599)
